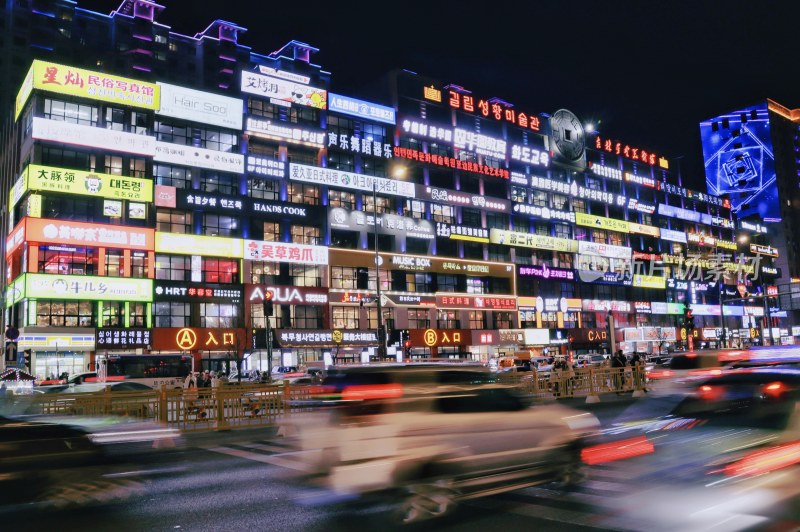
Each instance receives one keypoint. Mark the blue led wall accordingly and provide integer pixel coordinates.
(740, 162)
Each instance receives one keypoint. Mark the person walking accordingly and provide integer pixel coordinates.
(618, 363)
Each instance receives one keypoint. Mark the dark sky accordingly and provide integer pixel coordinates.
(646, 71)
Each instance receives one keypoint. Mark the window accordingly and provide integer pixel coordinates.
(225, 271)
(76, 113)
(52, 156)
(476, 285)
(564, 260)
(300, 193)
(560, 202)
(519, 194)
(593, 184)
(579, 205)
(542, 228)
(139, 265)
(414, 209)
(64, 313)
(272, 231)
(306, 317)
(345, 317)
(341, 161)
(214, 139)
(471, 217)
(448, 319)
(173, 221)
(113, 165)
(219, 182)
(220, 225)
(264, 188)
(496, 220)
(447, 283)
(477, 319)
(305, 275)
(114, 265)
(115, 119)
(581, 233)
(418, 319)
(539, 198)
(443, 213)
(82, 261)
(502, 320)
(344, 277)
(167, 132)
(384, 280)
(304, 234)
(562, 230)
(384, 204)
(339, 198)
(263, 108)
(338, 128)
(113, 314)
(172, 176)
(218, 315)
(615, 238)
(137, 315)
(137, 167)
(599, 237)
(418, 282)
(549, 320)
(173, 268)
(138, 123)
(264, 272)
(375, 133)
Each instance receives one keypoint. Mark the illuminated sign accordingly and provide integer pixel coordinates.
(629, 152)
(280, 90)
(275, 129)
(195, 338)
(122, 338)
(724, 244)
(45, 286)
(350, 180)
(199, 157)
(594, 305)
(527, 240)
(684, 214)
(605, 277)
(604, 250)
(520, 179)
(722, 222)
(649, 281)
(181, 291)
(16, 238)
(478, 143)
(545, 213)
(92, 137)
(450, 162)
(769, 270)
(772, 290)
(577, 191)
(463, 100)
(198, 106)
(392, 224)
(82, 83)
(607, 171)
(536, 336)
(74, 342)
(528, 155)
(659, 307)
(639, 206)
(282, 209)
(488, 302)
(291, 76)
(653, 257)
(673, 236)
(406, 262)
(284, 252)
(24, 93)
(411, 300)
(439, 337)
(755, 227)
(188, 199)
(206, 246)
(287, 295)
(460, 232)
(432, 93)
(360, 108)
(356, 144)
(693, 195)
(599, 222)
(583, 336)
(763, 250)
(641, 229)
(545, 272)
(450, 197)
(640, 180)
(86, 183)
(641, 307)
(421, 129)
(88, 234)
(701, 240)
(677, 284)
(265, 166)
(326, 338)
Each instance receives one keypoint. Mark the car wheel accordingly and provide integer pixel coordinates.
(571, 474)
(423, 502)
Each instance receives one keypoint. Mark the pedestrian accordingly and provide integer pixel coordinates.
(618, 363)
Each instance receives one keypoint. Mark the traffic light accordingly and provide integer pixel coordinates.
(27, 358)
(688, 316)
(407, 347)
(267, 303)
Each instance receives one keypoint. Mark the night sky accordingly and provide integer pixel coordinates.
(646, 72)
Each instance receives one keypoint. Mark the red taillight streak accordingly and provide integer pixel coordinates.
(766, 460)
(665, 374)
(609, 452)
(373, 391)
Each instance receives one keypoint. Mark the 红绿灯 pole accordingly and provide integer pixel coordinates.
(381, 345)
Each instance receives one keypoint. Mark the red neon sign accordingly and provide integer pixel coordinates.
(629, 152)
(449, 162)
(492, 109)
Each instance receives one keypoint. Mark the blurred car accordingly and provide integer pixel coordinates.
(725, 451)
(423, 437)
(279, 372)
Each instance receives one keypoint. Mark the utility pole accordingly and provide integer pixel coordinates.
(381, 341)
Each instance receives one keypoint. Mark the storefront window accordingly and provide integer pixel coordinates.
(113, 313)
(345, 317)
(171, 314)
(52, 364)
(306, 317)
(64, 313)
(418, 319)
(218, 315)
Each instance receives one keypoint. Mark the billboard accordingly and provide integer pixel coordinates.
(88, 287)
(50, 179)
(740, 162)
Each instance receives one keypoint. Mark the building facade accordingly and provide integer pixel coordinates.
(162, 191)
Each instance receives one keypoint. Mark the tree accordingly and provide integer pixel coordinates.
(236, 350)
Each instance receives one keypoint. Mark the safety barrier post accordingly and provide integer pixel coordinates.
(593, 396)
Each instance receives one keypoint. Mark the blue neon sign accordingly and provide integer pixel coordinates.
(360, 108)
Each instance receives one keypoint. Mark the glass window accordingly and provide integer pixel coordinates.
(418, 282)
(139, 264)
(579, 205)
(113, 165)
(225, 271)
(82, 261)
(448, 319)
(502, 320)
(476, 285)
(418, 319)
(174, 134)
(173, 221)
(519, 194)
(137, 167)
(599, 237)
(264, 272)
(218, 315)
(138, 314)
(220, 225)
(267, 189)
(115, 119)
(306, 317)
(477, 319)
(384, 204)
(172, 176)
(113, 314)
(340, 198)
(171, 268)
(344, 277)
(305, 275)
(615, 238)
(76, 113)
(341, 161)
(443, 213)
(51, 313)
(414, 209)
(471, 217)
(345, 317)
(496, 220)
(300, 193)
(539, 198)
(562, 230)
(446, 283)
(114, 264)
(219, 182)
(305, 234)
(560, 202)
(54, 156)
(272, 231)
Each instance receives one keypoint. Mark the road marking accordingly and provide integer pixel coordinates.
(276, 460)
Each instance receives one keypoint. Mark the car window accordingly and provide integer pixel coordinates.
(482, 400)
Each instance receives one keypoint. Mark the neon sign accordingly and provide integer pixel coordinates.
(528, 155)
(463, 100)
(627, 151)
(449, 162)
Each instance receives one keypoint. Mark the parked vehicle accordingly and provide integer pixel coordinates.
(423, 437)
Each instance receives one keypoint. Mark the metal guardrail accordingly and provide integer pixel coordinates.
(254, 405)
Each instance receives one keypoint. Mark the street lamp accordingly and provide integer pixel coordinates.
(381, 342)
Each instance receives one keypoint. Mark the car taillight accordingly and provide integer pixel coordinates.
(659, 374)
(609, 452)
(372, 391)
(774, 389)
(765, 461)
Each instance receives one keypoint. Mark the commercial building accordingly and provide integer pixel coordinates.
(161, 191)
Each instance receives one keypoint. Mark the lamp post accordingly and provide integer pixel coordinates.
(381, 343)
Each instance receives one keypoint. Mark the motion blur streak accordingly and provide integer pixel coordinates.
(375, 391)
(609, 452)
(761, 462)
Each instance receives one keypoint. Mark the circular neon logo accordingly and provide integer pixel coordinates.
(430, 337)
(186, 339)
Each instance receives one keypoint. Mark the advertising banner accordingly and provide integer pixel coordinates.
(69, 233)
(439, 337)
(119, 338)
(388, 224)
(284, 90)
(166, 152)
(183, 291)
(206, 246)
(287, 295)
(92, 137)
(527, 240)
(83, 183)
(488, 302)
(350, 180)
(604, 250)
(599, 222)
(199, 106)
(360, 108)
(326, 338)
(47, 286)
(285, 252)
(198, 339)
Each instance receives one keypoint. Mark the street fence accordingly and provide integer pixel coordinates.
(253, 405)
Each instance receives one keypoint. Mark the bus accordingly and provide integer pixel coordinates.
(152, 370)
